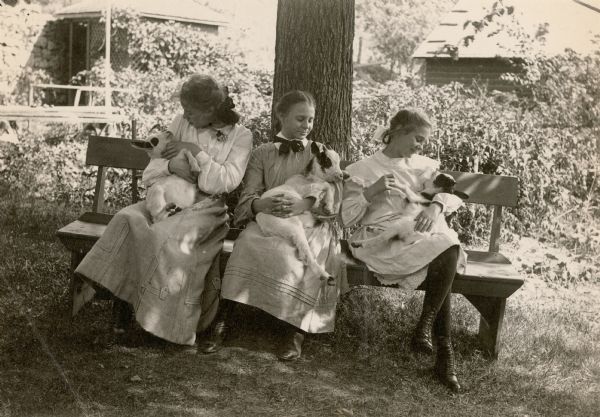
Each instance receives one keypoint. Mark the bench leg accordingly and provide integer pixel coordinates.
(490, 322)
(76, 281)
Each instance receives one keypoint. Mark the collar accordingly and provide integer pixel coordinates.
(281, 135)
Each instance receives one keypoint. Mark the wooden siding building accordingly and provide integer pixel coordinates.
(85, 33)
(497, 49)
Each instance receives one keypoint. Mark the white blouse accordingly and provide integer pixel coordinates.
(395, 263)
(222, 160)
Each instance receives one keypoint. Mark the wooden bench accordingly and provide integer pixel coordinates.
(107, 152)
(103, 152)
(490, 278)
(488, 281)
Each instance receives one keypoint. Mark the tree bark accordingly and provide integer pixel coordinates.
(313, 52)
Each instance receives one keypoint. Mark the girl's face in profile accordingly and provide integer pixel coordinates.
(198, 118)
(407, 144)
(297, 123)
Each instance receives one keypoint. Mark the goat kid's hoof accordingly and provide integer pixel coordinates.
(172, 209)
(356, 245)
(329, 280)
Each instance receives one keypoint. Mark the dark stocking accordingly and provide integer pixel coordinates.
(438, 284)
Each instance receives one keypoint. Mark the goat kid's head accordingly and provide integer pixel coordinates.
(155, 144)
(325, 163)
(444, 183)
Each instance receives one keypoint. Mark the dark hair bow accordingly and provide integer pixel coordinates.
(228, 103)
(286, 145)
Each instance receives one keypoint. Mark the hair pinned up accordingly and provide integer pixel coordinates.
(406, 121)
(201, 92)
(204, 93)
(285, 103)
(225, 112)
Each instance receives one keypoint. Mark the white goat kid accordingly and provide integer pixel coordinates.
(170, 194)
(322, 170)
(403, 227)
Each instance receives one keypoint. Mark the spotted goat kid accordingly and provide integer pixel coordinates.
(317, 181)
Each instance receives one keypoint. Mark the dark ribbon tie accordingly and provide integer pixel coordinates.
(294, 145)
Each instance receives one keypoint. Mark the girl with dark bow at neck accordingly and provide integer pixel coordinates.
(265, 272)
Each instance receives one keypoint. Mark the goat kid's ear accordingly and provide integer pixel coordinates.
(156, 127)
(314, 148)
(141, 144)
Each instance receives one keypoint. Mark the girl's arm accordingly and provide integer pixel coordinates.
(216, 178)
(354, 203)
(254, 186)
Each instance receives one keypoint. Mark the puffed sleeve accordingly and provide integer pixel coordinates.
(354, 203)
(449, 202)
(159, 167)
(254, 186)
(216, 178)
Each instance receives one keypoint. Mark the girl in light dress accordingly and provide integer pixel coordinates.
(373, 200)
(265, 272)
(172, 292)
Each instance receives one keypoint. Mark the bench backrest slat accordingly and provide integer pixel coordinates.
(497, 190)
(115, 152)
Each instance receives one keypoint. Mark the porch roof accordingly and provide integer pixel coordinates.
(180, 10)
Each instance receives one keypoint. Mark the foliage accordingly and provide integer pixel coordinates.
(161, 55)
(548, 137)
(48, 164)
(398, 26)
(563, 89)
(478, 132)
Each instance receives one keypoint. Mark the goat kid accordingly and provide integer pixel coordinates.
(403, 228)
(317, 181)
(170, 194)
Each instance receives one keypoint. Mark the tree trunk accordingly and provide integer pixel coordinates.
(313, 52)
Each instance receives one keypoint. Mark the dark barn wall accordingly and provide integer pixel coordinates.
(485, 71)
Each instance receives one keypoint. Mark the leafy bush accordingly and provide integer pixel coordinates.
(161, 55)
(548, 138)
(555, 159)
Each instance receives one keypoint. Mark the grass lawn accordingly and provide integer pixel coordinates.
(52, 366)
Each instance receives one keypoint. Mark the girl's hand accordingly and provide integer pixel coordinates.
(181, 167)
(425, 219)
(173, 148)
(385, 183)
(282, 206)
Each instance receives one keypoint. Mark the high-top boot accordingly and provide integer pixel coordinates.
(220, 328)
(444, 364)
(440, 275)
(421, 341)
(291, 349)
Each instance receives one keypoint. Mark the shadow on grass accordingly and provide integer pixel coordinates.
(52, 365)
(92, 374)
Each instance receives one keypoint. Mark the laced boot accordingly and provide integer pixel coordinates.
(444, 364)
(421, 341)
(219, 330)
(291, 348)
